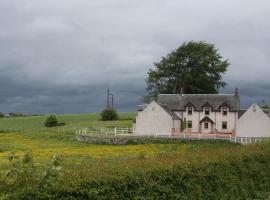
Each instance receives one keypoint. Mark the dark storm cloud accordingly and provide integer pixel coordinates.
(60, 56)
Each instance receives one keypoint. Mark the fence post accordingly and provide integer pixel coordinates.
(115, 130)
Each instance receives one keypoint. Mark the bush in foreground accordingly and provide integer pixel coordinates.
(23, 180)
(109, 114)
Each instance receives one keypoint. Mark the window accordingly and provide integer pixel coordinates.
(206, 125)
(189, 110)
(189, 124)
(224, 125)
(207, 111)
(224, 111)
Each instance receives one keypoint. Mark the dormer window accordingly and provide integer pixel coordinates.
(206, 110)
(224, 111)
(190, 110)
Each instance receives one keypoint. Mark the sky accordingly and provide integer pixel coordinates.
(61, 56)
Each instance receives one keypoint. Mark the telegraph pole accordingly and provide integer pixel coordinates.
(112, 100)
(108, 98)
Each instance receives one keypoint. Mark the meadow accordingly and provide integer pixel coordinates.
(196, 169)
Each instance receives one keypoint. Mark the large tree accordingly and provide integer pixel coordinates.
(194, 68)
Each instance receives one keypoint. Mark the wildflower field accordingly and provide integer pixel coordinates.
(178, 170)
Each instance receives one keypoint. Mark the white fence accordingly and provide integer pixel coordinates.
(241, 140)
(105, 131)
(187, 136)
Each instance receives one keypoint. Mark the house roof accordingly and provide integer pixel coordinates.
(266, 111)
(142, 107)
(241, 112)
(164, 107)
(207, 119)
(167, 109)
(178, 102)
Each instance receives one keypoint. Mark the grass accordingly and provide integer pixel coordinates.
(72, 121)
(90, 163)
(44, 142)
(101, 159)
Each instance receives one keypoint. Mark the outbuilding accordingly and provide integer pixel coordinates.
(253, 123)
(156, 119)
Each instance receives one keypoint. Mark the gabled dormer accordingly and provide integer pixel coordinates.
(224, 108)
(190, 107)
(207, 108)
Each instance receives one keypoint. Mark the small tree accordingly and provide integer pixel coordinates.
(109, 114)
(2, 115)
(51, 121)
(183, 124)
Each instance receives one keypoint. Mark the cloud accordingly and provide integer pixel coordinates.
(60, 56)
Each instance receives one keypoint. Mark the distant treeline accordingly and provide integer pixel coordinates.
(18, 114)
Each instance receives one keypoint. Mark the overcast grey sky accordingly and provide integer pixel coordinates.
(59, 56)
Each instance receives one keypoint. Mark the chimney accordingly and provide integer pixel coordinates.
(181, 91)
(236, 92)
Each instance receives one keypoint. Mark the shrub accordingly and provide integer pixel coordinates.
(61, 124)
(23, 180)
(16, 114)
(183, 124)
(2, 115)
(109, 114)
(51, 121)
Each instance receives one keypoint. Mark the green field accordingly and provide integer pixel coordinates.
(24, 134)
(72, 121)
(110, 169)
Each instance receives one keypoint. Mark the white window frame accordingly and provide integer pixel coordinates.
(224, 109)
(226, 125)
(188, 123)
(189, 109)
(209, 110)
(207, 125)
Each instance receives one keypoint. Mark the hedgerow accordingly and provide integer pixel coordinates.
(237, 176)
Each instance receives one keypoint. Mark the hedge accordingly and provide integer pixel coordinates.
(243, 176)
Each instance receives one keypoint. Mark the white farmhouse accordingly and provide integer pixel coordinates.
(201, 113)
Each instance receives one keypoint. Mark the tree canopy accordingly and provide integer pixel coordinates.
(194, 68)
(109, 114)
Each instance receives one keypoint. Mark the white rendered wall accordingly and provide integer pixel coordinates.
(154, 120)
(215, 116)
(231, 120)
(253, 123)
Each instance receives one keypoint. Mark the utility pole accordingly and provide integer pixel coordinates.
(112, 100)
(108, 98)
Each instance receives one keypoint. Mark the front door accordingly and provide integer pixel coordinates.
(206, 127)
